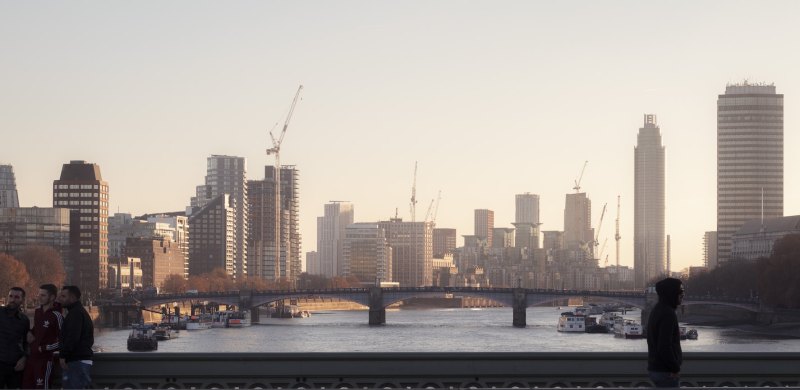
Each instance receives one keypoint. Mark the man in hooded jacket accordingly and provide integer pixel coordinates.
(664, 356)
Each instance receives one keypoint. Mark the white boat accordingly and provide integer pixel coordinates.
(608, 319)
(198, 323)
(239, 319)
(220, 319)
(628, 329)
(571, 322)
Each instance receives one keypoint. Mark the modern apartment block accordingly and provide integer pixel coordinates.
(710, 250)
(160, 257)
(503, 238)
(261, 243)
(330, 237)
(82, 189)
(366, 253)
(312, 263)
(228, 175)
(174, 226)
(8, 187)
(649, 251)
(213, 243)
(578, 232)
(412, 251)
(484, 225)
(749, 159)
(25, 226)
(553, 240)
(527, 208)
(444, 242)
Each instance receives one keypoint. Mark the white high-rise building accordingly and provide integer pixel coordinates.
(649, 255)
(749, 159)
(227, 175)
(8, 187)
(412, 251)
(527, 221)
(330, 236)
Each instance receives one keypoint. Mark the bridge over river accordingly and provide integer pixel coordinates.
(379, 298)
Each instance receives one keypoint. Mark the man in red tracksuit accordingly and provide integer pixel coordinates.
(43, 340)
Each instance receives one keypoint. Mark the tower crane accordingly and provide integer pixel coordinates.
(413, 203)
(577, 187)
(436, 208)
(430, 207)
(599, 226)
(276, 150)
(617, 237)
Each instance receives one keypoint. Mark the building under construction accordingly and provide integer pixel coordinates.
(261, 242)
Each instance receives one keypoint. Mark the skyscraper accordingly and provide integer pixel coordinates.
(8, 187)
(227, 175)
(412, 251)
(82, 189)
(527, 221)
(331, 233)
(484, 225)
(261, 242)
(749, 159)
(578, 232)
(649, 259)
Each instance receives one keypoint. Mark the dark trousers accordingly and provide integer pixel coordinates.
(663, 379)
(10, 379)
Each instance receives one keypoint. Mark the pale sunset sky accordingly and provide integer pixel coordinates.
(492, 98)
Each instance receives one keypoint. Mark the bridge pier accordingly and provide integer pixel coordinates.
(520, 306)
(377, 312)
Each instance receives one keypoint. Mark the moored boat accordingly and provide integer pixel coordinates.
(239, 319)
(142, 338)
(571, 322)
(198, 323)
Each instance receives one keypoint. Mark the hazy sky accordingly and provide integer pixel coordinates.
(493, 98)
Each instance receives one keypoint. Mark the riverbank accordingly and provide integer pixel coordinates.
(766, 324)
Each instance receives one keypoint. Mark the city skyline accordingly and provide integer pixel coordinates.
(492, 102)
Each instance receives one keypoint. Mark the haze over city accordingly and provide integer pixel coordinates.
(492, 99)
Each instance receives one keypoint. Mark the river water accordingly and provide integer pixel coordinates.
(433, 330)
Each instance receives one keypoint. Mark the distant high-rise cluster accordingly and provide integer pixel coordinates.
(749, 159)
(649, 255)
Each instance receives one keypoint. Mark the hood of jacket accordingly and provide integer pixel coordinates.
(668, 291)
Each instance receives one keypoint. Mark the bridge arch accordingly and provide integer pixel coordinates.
(392, 297)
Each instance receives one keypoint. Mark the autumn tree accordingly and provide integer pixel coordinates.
(198, 282)
(252, 283)
(43, 264)
(13, 274)
(174, 284)
(779, 274)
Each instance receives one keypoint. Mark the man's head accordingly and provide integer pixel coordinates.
(670, 291)
(47, 294)
(16, 295)
(69, 295)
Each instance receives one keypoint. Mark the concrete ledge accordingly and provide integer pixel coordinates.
(433, 370)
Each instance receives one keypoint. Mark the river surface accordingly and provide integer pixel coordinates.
(433, 330)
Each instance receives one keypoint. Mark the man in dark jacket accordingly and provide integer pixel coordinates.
(77, 338)
(664, 356)
(14, 327)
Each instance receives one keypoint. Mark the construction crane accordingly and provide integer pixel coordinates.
(599, 226)
(617, 237)
(577, 187)
(436, 209)
(276, 150)
(430, 207)
(603, 250)
(413, 203)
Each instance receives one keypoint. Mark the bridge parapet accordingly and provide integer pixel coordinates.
(432, 370)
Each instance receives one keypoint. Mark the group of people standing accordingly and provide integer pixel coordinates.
(62, 334)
